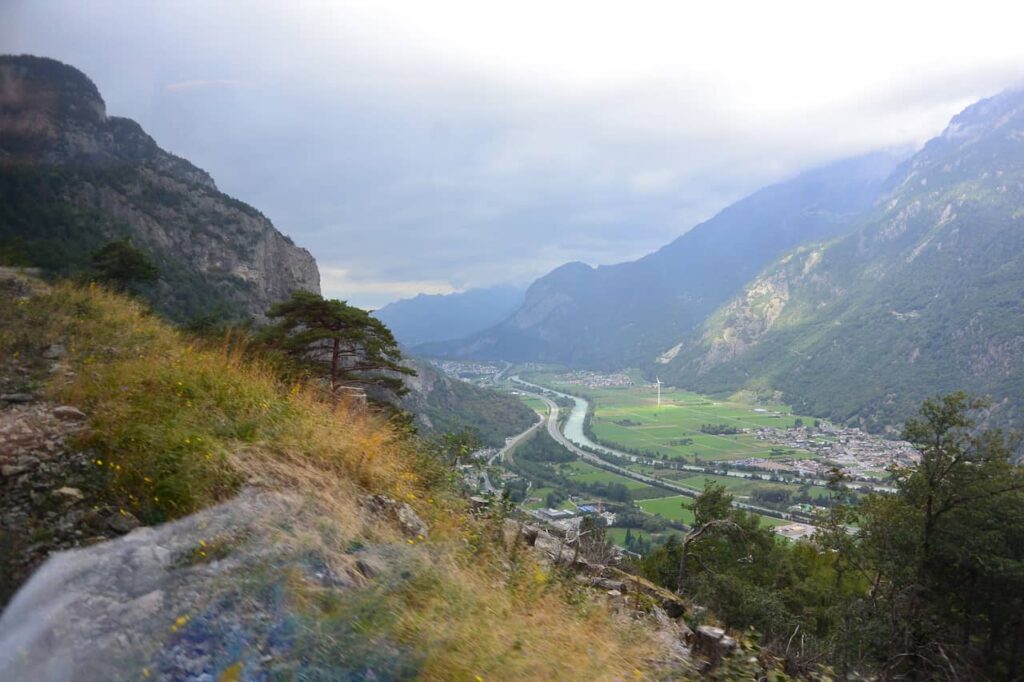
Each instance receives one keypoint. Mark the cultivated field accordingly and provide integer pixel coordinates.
(669, 508)
(739, 487)
(587, 473)
(672, 508)
(534, 404)
(631, 419)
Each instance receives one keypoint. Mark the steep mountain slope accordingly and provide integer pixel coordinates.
(620, 314)
(427, 318)
(73, 178)
(442, 403)
(927, 296)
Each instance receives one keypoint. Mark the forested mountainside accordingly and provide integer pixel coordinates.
(440, 317)
(444, 404)
(925, 297)
(622, 314)
(73, 178)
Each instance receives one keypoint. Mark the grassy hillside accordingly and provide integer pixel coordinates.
(176, 425)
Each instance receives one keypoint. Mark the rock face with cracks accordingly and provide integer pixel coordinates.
(64, 161)
(191, 600)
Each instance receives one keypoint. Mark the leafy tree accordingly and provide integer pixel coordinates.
(931, 586)
(356, 349)
(591, 538)
(949, 551)
(120, 264)
(455, 447)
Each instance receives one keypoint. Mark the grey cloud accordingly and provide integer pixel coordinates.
(406, 172)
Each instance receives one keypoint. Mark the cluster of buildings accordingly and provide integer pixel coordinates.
(795, 531)
(468, 370)
(566, 519)
(589, 379)
(790, 466)
(858, 453)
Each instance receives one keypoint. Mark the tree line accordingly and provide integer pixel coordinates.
(926, 583)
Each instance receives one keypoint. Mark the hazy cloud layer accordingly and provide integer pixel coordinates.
(428, 147)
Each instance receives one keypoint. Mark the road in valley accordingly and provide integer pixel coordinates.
(591, 458)
(575, 436)
(510, 444)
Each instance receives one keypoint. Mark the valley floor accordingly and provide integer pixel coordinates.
(656, 457)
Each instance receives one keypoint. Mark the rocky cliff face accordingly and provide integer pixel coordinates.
(74, 178)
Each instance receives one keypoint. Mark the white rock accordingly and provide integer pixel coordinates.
(69, 413)
(68, 493)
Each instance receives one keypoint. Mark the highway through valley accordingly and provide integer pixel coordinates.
(574, 435)
(553, 430)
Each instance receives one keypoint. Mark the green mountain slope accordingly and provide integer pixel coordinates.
(622, 314)
(442, 404)
(926, 296)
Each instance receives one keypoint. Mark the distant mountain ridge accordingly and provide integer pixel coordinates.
(926, 296)
(623, 314)
(73, 178)
(442, 317)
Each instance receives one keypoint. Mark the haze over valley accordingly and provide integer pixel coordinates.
(478, 341)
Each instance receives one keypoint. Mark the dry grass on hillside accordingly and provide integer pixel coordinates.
(178, 424)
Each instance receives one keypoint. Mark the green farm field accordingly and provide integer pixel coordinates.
(672, 508)
(631, 419)
(618, 535)
(739, 487)
(535, 404)
(587, 473)
(669, 507)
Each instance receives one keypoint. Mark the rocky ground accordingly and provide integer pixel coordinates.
(45, 477)
(701, 648)
(44, 481)
(202, 599)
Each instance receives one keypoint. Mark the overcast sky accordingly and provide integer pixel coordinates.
(431, 146)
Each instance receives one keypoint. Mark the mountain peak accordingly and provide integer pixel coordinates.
(75, 178)
(53, 113)
(48, 86)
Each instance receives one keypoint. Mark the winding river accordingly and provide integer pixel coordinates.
(573, 431)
